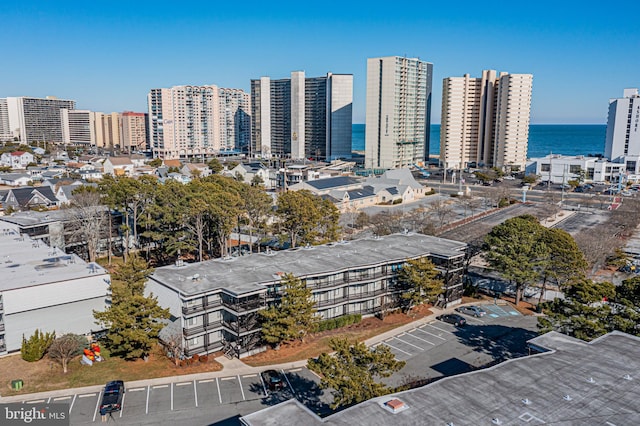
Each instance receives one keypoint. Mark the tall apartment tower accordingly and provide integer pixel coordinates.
(235, 120)
(5, 129)
(78, 127)
(398, 115)
(301, 117)
(623, 136)
(133, 129)
(485, 121)
(37, 119)
(184, 121)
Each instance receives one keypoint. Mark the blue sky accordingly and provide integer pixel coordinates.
(107, 55)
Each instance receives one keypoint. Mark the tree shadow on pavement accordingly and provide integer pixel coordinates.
(499, 341)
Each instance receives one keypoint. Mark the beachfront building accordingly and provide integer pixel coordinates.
(37, 119)
(44, 288)
(485, 121)
(235, 120)
(622, 143)
(134, 131)
(216, 302)
(398, 115)
(300, 117)
(556, 168)
(5, 129)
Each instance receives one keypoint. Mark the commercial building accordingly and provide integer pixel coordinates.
(571, 383)
(301, 117)
(623, 136)
(556, 168)
(216, 303)
(37, 119)
(398, 114)
(43, 288)
(485, 121)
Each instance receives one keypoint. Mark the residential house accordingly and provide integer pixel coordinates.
(28, 198)
(195, 169)
(118, 166)
(15, 179)
(17, 159)
(249, 171)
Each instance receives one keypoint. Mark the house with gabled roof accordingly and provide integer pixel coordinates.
(118, 166)
(15, 179)
(29, 197)
(249, 171)
(17, 159)
(195, 169)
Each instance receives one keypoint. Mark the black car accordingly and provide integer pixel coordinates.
(454, 319)
(273, 380)
(112, 397)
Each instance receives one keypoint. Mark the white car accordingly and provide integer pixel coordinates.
(472, 310)
(508, 177)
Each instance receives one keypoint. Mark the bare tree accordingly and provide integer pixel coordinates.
(442, 211)
(173, 345)
(65, 348)
(89, 218)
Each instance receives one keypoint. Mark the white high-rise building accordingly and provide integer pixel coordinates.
(301, 117)
(78, 127)
(623, 136)
(398, 116)
(485, 121)
(5, 130)
(37, 119)
(235, 120)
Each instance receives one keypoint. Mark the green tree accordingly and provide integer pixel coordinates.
(628, 293)
(516, 249)
(215, 165)
(65, 348)
(293, 317)
(257, 181)
(352, 371)
(529, 179)
(133, 320)
(420, 278)
(156, 162)
(306, 218)
(257, 208)
(34, 348)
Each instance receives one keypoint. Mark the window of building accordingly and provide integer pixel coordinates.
(192, 321)
(631, 166)
(545, 167)
(574, 168)
(194, 341)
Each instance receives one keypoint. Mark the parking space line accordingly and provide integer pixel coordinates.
(62, 398)
(135, 390)
(439, 329)
(421, 339)
(218, 386)
(227, 378)
(171, 396)
(249, 375)
(241, 390)
(264, 387)
(410, 344)
(37, 401)
(95, 412)
(289, 383)
(124, 394)
(474, 319)
(295, 370)
(397, 349)
(160, 386)
(195, 392)
(86, 395)
(205, 381)
(146, 411)
(183, 384)
(72, 402)
(49, 400)
(430, 334)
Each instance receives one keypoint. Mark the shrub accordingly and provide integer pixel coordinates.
(195, 357)
(204, 358)
(397, 201)
(36, 346)
(343, 321)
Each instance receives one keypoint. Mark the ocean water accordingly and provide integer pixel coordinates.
(565, 139)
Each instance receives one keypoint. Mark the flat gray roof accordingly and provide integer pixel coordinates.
(25, 262)
(577, 383)
(246, 274)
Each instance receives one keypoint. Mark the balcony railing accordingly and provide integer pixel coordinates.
(245, 306)
(1, 326)
(196, 329)
(352, 297)
(353, 280)
(241, 328)
(186, 310)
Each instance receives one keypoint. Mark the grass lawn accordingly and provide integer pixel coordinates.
(46, 375)
(318, 343)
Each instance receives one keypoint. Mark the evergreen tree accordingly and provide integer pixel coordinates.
(294, 317)
(420, 276)
(34, 348)
(133, 320)
(352, 371)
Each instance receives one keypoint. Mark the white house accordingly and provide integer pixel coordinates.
(17, 159)
(118, 166)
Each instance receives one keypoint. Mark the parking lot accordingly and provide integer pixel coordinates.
(205, 401)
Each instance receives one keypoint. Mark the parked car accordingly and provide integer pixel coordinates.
(273, 380)
(475, 311)
(508, 177)
(454, 319)
(112, 397)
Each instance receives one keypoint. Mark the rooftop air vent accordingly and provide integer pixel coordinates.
(526, 401)
(567, 397)
(395, 405)
(496, 421)
(627, 377)
(591, 380)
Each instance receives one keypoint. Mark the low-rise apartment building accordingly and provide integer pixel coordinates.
(216, 303)
(44, 288)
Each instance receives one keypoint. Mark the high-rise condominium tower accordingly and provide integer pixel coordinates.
(133, 129)
(302, 117)
(37, 119)
(5, 129)
(623, 136)
(398, 112)
(194, 121)
(485, 120)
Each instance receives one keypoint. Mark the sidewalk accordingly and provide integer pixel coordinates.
(230, 367)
